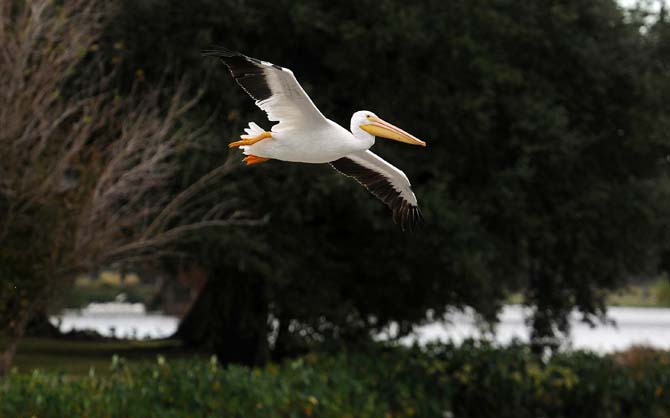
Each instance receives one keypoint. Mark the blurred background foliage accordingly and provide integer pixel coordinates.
(545, 171)
(547, 142)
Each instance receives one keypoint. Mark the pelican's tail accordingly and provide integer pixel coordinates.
(254, 135)
(251, 132)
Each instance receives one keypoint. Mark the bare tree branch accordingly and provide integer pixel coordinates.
(85, 175)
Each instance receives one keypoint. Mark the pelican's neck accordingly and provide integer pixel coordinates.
(367, 140)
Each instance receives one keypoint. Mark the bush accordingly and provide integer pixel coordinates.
(474, 380)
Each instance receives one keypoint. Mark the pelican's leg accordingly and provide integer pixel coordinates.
(252, 159)
(246, 140)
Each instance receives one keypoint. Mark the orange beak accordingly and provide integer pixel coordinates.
(381, 128)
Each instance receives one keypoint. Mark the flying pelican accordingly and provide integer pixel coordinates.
(304, 135)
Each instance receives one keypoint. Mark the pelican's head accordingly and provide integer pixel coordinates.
(374, 125)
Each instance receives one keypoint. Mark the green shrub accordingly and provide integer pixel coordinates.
(475, 379)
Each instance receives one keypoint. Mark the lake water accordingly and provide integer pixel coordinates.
(121, 325)
(633, 326)
(648, 326)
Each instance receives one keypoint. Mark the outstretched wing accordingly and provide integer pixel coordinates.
(274, 88)
(386, 182)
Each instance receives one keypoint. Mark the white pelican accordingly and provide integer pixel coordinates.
(304, 135)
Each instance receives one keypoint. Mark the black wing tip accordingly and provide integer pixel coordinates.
(409, 217)
(220, 52)
(406, 214)
(248, 72)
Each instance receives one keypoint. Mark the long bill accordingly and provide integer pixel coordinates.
(383, 129)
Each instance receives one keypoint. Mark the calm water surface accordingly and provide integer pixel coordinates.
(649, 326)
(633, 326)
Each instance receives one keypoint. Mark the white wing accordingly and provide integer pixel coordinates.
(275, 89)
(386, 182)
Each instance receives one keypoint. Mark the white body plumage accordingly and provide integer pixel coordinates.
(322, 143)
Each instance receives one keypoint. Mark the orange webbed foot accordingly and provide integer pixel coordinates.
(246, 140)
(252, 159)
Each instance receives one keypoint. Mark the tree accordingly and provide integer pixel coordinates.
(85, 174)
(539, 173)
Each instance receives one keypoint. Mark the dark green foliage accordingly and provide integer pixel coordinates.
(542, 149)
(473, 380)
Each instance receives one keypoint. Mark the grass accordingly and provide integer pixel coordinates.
(639, 296)
(654, 294)
(78, 357)
(82, 294)
(648, 295)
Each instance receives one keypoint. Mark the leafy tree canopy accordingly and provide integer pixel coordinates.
(542, 123)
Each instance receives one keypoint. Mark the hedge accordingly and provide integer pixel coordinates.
(475, 379)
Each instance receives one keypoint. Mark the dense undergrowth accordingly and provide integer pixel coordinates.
(472, 380)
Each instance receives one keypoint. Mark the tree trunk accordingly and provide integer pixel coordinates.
(286, 343)
(230, 317)
(14, 335)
